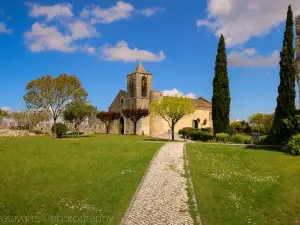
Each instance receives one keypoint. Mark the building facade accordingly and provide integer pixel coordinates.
(139, 94)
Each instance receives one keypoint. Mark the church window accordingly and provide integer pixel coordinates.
(144, 87)
(132, 89)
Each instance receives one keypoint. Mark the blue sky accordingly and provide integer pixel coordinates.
(101, 41)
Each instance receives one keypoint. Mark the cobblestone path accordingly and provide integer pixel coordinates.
(162, 197)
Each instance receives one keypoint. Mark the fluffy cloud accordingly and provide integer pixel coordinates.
(239, 20)
(176, 93)
(4, 29)
(150, 11)
(122, 52)
(88, 49)
(121, 10)
(50, 12)
(250, 58)
(80, 29)
(46, 38)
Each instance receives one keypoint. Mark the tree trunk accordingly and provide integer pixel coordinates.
(107, 129)
(134, 128)
(54, 128)
(173, 127)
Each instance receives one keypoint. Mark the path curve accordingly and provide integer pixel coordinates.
(162, 197)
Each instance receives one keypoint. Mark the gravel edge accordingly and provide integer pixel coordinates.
(189, 180)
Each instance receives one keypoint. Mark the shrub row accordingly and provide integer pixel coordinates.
(203, 134)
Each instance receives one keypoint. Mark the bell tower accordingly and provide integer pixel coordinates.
(139, 87)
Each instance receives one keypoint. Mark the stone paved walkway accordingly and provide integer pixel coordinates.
(162, 197)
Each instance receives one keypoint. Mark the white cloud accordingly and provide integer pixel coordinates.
(6, 108)
(46, 38)
(239, 20)
(51, 12)
(150, 11)
(176, 93)
(88, 49)
(250, 58)
(80, 29)
(4, 29)
(122, 52)
(121, 10)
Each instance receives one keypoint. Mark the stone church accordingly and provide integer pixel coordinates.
(139, 94)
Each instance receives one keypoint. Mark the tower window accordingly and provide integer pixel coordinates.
(144, 87)
(132, 89)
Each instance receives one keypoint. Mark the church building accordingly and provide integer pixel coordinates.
(139, 94)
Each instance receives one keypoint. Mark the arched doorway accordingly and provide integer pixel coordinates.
(195, 124)
(121, 125)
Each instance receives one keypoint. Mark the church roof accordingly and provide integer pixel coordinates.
(202, 102)
(140, 68)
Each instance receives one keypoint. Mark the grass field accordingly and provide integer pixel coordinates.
(86, 179)
(242, 186)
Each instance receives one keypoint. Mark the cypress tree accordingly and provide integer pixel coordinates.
(221, 94)
(286, 90)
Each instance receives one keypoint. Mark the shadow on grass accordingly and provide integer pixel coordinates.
(275, 148)
(76, 136)
(160, 139)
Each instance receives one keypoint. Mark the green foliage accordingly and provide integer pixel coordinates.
(77, 112)
(261, 123)
(53, 93)
(293, 145)
(186, 131)
(240, 139)
(3, 113)
(207, 130)
(222, 137)
(221, 94)
(60, 129)
(237, 126)
(173, 109)
(286, 90)
(198, 135)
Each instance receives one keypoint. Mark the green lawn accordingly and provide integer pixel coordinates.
(243, 186)
(88, 176)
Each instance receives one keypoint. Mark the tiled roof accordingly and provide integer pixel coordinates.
(202, 102)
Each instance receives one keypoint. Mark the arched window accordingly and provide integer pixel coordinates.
(132, 89)
(144, 87)
(195, 124)
(210, 117)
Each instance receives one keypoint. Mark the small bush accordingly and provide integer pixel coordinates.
(241, 139)
(222, 137)
(201, 136)
(207, 130)
(293, 145)
(61, 129)
(186, 131)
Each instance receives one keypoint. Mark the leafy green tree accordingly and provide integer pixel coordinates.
(286, 90)
(3, 113)
(53, 93)
(221, 94)
(261, 123)
(77, 112)
(173, 109)
(237, 126)
(107, 118)
(135, 115)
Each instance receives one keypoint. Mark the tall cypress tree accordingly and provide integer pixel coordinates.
(221, 94)
(286, 90)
